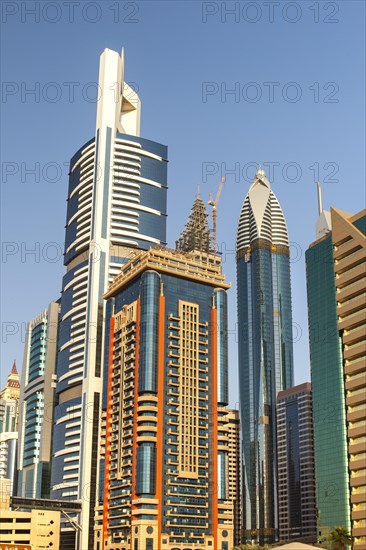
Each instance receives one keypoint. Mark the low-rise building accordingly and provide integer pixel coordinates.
(38, 529)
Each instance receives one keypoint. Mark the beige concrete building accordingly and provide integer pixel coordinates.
(349, 244)
(234, 471)
(39, 529)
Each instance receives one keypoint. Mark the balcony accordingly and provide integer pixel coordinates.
(355, 366)
(358, 497)
(357, 381)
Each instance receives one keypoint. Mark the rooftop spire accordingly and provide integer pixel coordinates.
(196, 232)
(260, 173)
(14, 368)
(324, 222)
(320, 202)
(12, 388)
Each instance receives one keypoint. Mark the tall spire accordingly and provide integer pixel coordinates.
(196, 232)
(324, 222)
(320, 202)
(14, 369)
(12, 388)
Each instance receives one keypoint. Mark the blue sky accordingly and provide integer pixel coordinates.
(296, 72)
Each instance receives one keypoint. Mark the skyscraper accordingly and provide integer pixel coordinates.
(167, 443)
(37, 402)
(327, 379)
(349, 249)
(296, 475)
(265, 348)
(116, 205)
(9, 416)
(234, 473)
(336, 285)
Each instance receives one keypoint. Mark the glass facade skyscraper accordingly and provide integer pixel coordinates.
(265, 349)
(329, 407)
(116, 205)
(296, 476)
(37, 402)
(336, 286)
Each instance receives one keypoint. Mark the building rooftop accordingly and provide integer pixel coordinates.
(12, 386)
(195, 265)
(261, 216)
(294, 390)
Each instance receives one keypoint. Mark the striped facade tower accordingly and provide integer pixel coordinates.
(116, 205)
(265, 349)
(167, 426)
(296, 474)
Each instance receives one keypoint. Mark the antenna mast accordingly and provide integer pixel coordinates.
(320, 202)
(213, 203)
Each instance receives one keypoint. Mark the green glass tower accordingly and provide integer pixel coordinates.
(329, 408)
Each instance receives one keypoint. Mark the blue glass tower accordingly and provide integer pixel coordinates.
(265, 349)
(116, 206)
(37, 402)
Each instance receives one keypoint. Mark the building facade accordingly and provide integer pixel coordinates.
(26, 530)
(8, 458)
(9, 415)
(328, 387)
(167, 426)
(11, 390)
(37, 403)
(349, 252)
(116, 205)
(265, 349)
(296, 474)
(235, 473)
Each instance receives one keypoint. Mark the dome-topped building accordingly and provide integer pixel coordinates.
(261, 215)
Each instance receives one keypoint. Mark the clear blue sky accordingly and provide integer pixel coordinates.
(278, 52)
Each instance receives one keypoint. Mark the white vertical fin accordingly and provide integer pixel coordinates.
(320, 202)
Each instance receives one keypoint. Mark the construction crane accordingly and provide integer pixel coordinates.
(213, 203)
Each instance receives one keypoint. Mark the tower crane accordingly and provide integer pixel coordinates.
(213, 203)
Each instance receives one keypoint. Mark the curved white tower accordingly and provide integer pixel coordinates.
(261, 216)
(265, 348)
(116, 204)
